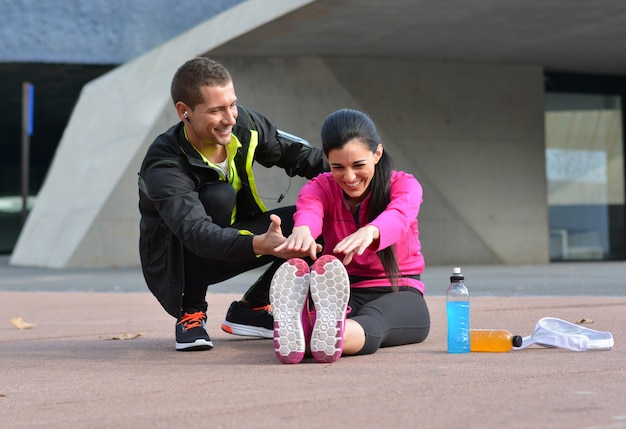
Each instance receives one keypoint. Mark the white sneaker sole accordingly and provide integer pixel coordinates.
(330, 292)
(197, 345)
(288, 292)
(246, 330)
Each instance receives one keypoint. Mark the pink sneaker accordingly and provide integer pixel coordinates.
(288, 294)
(330, 292)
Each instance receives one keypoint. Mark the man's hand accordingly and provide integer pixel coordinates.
(272, 242)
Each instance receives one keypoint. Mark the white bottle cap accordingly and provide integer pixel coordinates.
(456, 270)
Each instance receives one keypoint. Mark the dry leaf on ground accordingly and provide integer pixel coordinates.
(20, 323)
(125, 336)
(584, 321)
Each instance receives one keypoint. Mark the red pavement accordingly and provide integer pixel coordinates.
(65, 373)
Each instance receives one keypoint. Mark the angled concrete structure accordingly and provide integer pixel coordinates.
(86, 213)
(463, 112)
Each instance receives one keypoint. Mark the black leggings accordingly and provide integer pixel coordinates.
(218, 200)
(389, 318)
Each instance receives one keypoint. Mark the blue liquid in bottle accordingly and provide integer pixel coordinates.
(458, 327)
(458, 313)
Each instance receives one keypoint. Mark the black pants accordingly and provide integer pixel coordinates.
(218, 200)
(389, 318)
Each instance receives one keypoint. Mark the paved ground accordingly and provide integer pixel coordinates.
(67, 372)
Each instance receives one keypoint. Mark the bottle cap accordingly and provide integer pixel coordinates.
(456, 274)
(517, 340)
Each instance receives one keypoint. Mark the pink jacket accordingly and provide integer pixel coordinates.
(321, 206)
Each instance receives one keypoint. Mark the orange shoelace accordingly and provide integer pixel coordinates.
(192, 320)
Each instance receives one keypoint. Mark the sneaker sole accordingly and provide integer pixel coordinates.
(330, 292)
(288, 292)
(246, 330)
(195, 346)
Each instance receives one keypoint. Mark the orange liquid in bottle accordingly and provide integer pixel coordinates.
(493, 340)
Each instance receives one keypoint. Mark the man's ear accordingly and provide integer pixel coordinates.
(182, 110)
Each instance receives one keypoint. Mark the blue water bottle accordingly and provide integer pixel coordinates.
(458, 313)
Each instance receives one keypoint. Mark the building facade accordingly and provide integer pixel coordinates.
(519, 151)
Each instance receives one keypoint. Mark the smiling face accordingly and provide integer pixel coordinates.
(353, 167)
(211, 121)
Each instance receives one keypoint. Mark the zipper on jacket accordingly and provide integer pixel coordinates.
(357, 211)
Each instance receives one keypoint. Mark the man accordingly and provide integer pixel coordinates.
(202, 220)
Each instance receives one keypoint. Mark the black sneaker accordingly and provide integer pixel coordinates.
(191, 332)
(243, 319)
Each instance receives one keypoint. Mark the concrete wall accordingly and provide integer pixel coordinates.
(472, 134)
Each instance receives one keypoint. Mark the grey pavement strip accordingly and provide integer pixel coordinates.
(555, 279)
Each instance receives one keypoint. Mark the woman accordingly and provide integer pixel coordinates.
(366, 213)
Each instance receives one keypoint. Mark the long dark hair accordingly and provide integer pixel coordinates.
(339, 128)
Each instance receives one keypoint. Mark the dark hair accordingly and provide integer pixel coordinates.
(192, 75)
(338, 129)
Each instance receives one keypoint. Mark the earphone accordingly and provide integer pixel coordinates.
(185, 115)
(280, 197)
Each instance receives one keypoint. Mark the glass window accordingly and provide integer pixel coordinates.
(585, 175)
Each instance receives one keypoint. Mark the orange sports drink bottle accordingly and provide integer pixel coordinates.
(493, 340)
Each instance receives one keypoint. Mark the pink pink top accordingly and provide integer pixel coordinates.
(321, 206)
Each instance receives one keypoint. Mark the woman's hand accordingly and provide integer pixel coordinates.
(357, 242)
(301, 242)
